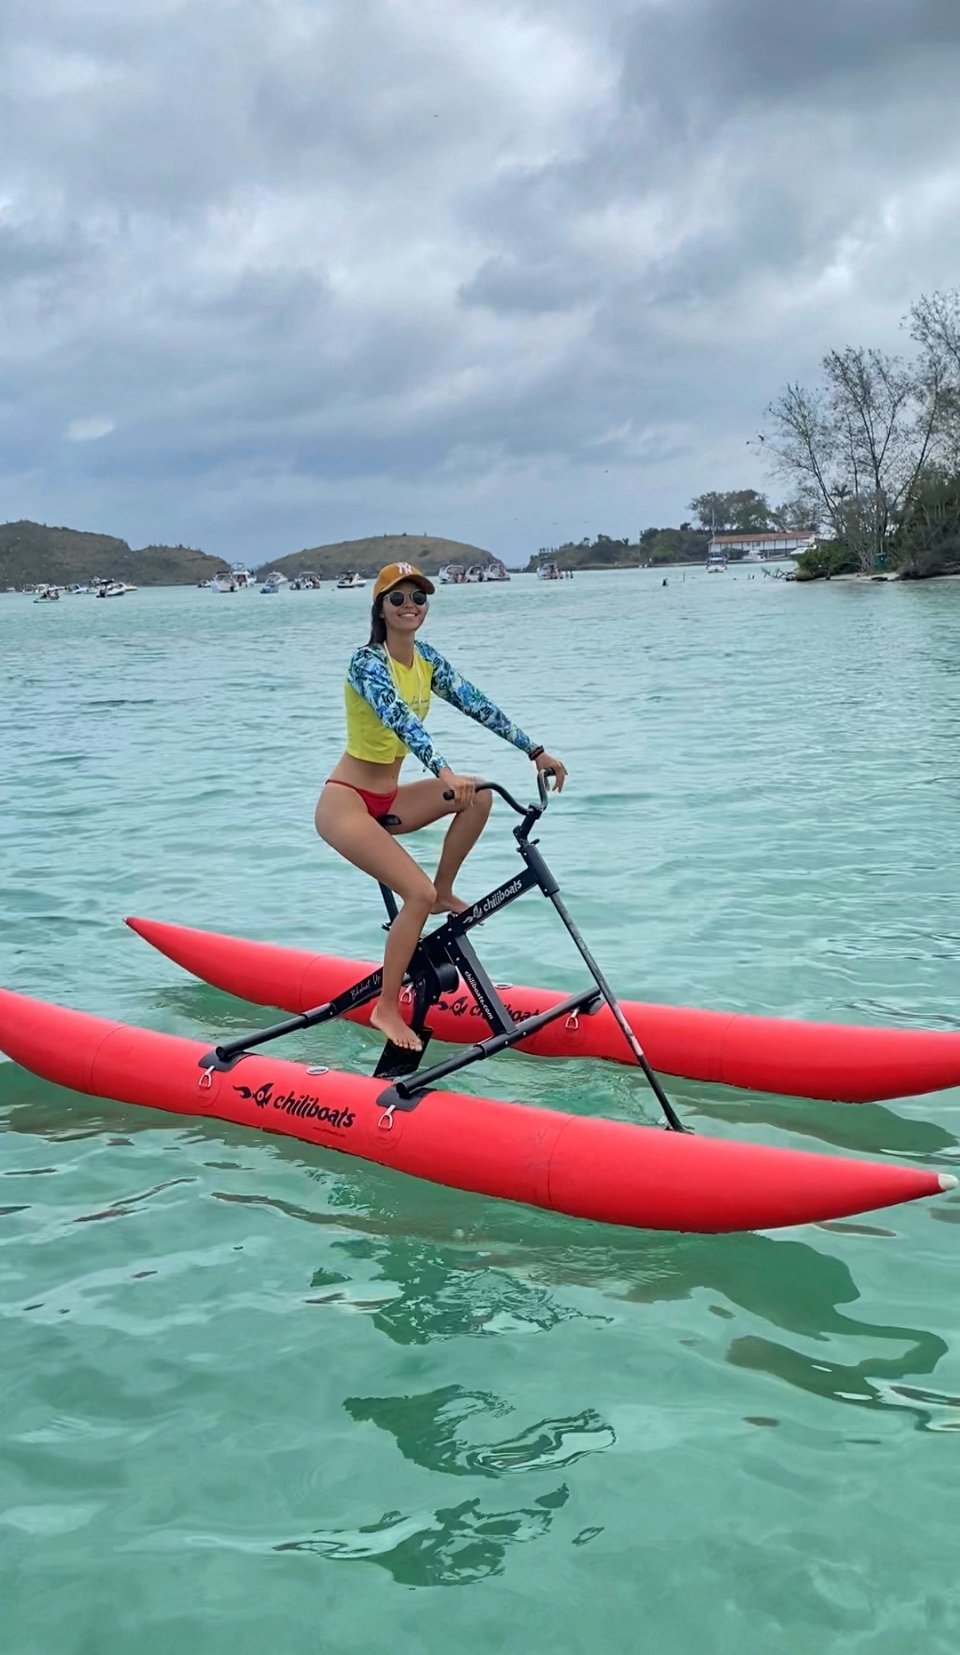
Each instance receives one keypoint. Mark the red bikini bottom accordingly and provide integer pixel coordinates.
(378, 804)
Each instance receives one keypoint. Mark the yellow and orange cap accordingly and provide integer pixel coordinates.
(394, 573)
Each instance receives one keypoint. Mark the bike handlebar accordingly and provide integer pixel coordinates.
(521, 810)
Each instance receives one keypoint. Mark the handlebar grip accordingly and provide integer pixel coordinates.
(494, 787)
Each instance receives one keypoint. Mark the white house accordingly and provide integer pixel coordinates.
(769, 543)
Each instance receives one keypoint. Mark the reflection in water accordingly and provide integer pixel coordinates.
(501, 1277)
(860, 1382)
(441, 1294)
(452, 1546)
(441, 1287)
(429, 1430)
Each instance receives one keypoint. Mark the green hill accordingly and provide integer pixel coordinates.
(427, 551)
(31, 552)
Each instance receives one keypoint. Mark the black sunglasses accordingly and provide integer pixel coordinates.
(398, 599)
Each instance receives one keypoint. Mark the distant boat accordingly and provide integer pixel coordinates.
(242, 576)
(113, 589)
(307, 581)
(716, 563)
(350, 581)
(549, 571)
(474, 574)
(270, 587)
(452, 574)
(494, 570)
(47, 594)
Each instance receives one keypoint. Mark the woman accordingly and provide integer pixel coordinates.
(363, 807)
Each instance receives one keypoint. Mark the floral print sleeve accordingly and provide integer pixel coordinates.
(463, 695)
(369, 676)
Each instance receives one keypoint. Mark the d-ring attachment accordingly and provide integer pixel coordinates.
(573, 1022)
(206, 1079)
(385, 1123)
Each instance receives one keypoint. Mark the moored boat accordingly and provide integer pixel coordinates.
(350, 581)
(610, 1171)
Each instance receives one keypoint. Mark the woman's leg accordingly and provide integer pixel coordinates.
(420, 803)
(342, 820)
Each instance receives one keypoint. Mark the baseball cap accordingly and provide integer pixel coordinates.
(394, 573)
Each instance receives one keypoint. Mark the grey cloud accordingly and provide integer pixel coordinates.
(315, 260)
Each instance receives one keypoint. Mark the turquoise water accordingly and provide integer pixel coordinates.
(261, 1398)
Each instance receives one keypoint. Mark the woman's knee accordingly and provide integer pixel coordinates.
(478, 807)
(419, 894)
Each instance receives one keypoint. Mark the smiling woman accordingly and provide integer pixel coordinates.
(363, 807)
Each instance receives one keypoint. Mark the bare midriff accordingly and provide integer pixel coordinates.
(375, 778)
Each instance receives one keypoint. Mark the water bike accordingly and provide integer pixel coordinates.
(646, 1177)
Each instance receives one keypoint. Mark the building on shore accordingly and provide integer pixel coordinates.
(770, 543)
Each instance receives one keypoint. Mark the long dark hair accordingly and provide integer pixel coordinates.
(378, 626)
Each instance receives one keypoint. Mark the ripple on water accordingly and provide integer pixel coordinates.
(244, 1363)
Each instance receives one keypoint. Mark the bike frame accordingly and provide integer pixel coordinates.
(442, 959)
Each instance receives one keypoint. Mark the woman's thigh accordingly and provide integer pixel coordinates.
(343, 821)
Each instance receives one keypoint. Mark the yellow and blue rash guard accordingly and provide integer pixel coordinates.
(386, 704)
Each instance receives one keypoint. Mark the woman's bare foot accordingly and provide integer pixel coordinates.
(447, 903)
(387, 1019)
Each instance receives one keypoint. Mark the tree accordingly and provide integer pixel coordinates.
(742, 510)
(803, 512)
(859, 442)
(935, 326)
(927, 539)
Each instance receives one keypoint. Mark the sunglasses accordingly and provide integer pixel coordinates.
(398, 599)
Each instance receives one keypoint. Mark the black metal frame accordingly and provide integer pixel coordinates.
(442, 958)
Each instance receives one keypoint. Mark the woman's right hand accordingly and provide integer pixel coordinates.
(462, 787)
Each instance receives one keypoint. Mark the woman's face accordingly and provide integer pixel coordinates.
(404, 618)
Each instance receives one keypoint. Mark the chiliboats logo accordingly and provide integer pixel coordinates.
(304, 1105)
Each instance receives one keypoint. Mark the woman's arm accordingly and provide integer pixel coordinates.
(453, 687)
(368, 675)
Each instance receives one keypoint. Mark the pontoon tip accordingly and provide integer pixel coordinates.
(947, 1181)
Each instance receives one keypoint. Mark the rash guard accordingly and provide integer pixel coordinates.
(387, 702)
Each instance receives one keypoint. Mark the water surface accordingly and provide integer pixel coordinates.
(261, 1397)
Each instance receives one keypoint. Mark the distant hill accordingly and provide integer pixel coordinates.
(427, 551)
(31, 552)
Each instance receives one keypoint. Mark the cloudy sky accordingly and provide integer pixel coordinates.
(280, 272)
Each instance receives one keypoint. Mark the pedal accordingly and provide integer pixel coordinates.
(395, 1062)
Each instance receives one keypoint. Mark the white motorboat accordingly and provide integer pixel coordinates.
(113, 589)
(350, 581)
(549, 571)
(494, 570)
(452, 574)
(241, 576)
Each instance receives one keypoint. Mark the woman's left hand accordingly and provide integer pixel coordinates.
(546, 761)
